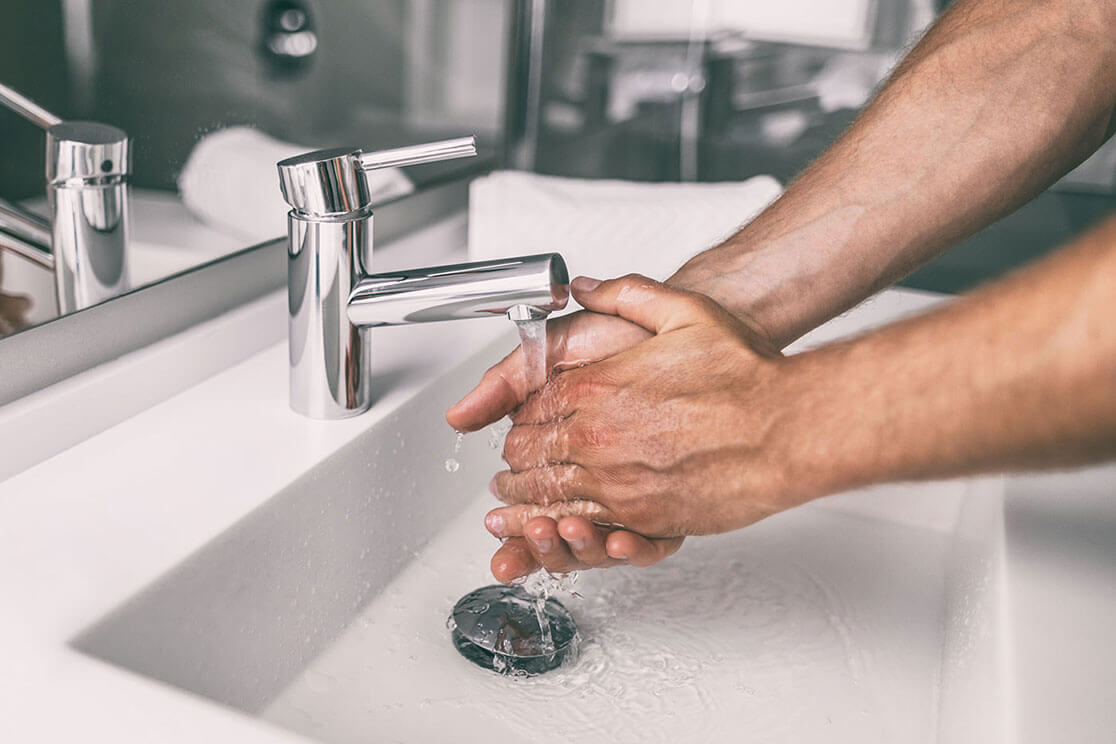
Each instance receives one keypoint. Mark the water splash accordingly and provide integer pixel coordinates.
(541, 585)
(497, 432)
(452, 465)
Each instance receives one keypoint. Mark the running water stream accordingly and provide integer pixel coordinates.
(541, 584)
(532, 340)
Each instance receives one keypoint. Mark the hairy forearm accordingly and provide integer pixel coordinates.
(1019, 375)
(997, 101)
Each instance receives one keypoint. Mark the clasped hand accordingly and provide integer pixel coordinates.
(661, 420)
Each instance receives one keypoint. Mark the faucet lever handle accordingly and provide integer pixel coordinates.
(28, 109)
(431, 152)
(332, 182)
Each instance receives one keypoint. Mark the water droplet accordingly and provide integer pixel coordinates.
(452, 465)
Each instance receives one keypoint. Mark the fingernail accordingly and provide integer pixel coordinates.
(577, 544)
(585, 284)
(492, 487)
(545, 545)
(621, 556)
(495, 524)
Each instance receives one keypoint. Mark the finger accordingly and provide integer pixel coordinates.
(569, 392)
(548, 548)
(529, 446)
(572, 340)
(513, 560)
(501, 389)
(639, 550)
(575, 440)
(586, 541)
(547, 485)
(509, 521)
(556, 400)
(643, 301)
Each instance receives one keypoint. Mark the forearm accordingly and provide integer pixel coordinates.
(997, 101)
(1018, 375)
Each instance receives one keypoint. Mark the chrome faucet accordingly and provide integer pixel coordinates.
(84, 241)
(333, 299)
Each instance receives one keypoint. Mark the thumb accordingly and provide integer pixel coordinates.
(643, 301)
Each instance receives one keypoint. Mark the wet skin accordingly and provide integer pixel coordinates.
(571, 542)
(558, 518)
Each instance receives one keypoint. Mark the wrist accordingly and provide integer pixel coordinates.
(827, 438)
(730, 279)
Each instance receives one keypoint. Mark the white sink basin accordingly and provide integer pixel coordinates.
(324, 612)
(867, 617)
(817, 625)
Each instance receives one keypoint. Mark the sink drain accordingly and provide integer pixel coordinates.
(496, 627)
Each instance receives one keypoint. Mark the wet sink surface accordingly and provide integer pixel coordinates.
(826, 623)
(815, 625)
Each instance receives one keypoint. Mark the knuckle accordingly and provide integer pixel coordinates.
(632, 279)
(583, 386)
(514, 446)
(557, 390)
(496, 373)
(588, 435)
(538, 489)
(696, 304)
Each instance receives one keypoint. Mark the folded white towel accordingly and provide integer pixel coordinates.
(230, 183)
(608, 228)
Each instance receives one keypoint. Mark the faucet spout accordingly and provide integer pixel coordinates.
(525, 285)
(333, 300)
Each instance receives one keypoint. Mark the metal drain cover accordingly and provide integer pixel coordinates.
(496, 627)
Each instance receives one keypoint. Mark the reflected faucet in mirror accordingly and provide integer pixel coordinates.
(84, 241)
(333, 299)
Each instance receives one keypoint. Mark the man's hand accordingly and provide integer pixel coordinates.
(698, 430)
(572, 543)
(674, 436)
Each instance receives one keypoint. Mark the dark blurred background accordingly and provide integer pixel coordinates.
(651, 90)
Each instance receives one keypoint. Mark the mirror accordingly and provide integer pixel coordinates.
(213, 93)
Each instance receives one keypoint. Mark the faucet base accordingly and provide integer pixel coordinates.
(331, 371)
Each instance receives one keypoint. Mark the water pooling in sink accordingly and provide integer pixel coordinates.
(813, 625)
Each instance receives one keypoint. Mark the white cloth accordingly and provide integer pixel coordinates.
(230, 183)
(608, 228)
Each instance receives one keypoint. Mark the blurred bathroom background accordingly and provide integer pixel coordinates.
(646, 90)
